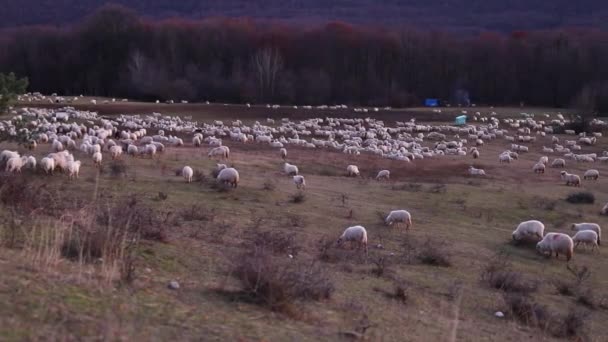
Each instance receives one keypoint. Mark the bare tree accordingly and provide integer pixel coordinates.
(267, 64)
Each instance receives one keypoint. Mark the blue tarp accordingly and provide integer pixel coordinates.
(431, 102)
(461, 120)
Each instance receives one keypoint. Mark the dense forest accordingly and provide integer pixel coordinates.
(464, 16)
(116, 53)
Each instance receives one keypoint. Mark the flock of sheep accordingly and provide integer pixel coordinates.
(406, 142)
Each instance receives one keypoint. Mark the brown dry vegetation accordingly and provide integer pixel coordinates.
(91, 259)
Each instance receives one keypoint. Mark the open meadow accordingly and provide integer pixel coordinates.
(97, 257)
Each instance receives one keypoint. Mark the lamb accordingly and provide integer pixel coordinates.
(556, 243)
(73, 169)
(589, 226)
(539, 168)
(97, 158)
(591, 174)
(352, 170)
(47, 164)
(559, 162)
(399, 216)
(571, 178)
(300, 182)
(115, 151)
(527, 229)
(586, 237)
(283, 153)
(223, 152)
(384, 174)
(229, 176)
(476, 172)
(290, 170)
(187, 172)
(354, 235)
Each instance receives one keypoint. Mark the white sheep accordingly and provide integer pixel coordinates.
(290, 170)
(132, 150)
(544, 160)
(30, 162)
(570, 178)
(528, 229)
(47, 164)
(97, 157)
(586, 237)
(57, 146)
(73, 169)
(187, 173)
(539, 168)
(556, 243)
(476, 172)
(300, 182)
(591, 174)
(229, 176)
(475, 154)
(354, 235)
(223, 152)
(399, 216)
(115, 151)
(283, 153)
(15, 164)
(604, 210)
(352, 170)
(559, 162)
(589, 226)
(384, 174)
(220, 167)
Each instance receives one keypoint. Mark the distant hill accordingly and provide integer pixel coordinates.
(456, 15)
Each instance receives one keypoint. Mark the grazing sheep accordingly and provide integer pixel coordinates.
(556, 243)
(538, 168)
(229, 176)
(354, 235)
(30, 163)
(475, 154)
(220, 167)
(15, 164)
(604, 210)
(399, 216)
(544, 160)
(115, 151)
(97, 157)
(290, 170)
(132, 150)
(384, 174)
(589, 226)
(283, 153)
(476, 172)
(559, 162)
(570, 178)
(527, 229)
(352, 171)
(57, 146)
(586, 237)
(300, 182)
(223, 152)
(187, 172)
(591, 174)
(73, 169)
(505, 158)
(48, 165)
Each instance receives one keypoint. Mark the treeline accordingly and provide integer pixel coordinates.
(115, 53)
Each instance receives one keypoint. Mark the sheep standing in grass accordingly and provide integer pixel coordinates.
(354, 235)
(589, 226)
(290, 170)
(384, 174)
(48, 165)
(559, 162)
(132, 150)
(591, 174)
(229, 176)
(586, 237)
(571, 179)
(399, 216)
(556, 243)
(476, 172)
(187, 172)
(352, 171)
(221, 152)
(300, 182)
(475, 154)
(539, 168)
(30, 162)
(529, 229)
(283, 153)
(73, 169)
(544, 160)
(115, 152)
(97, 157)
(15, 164)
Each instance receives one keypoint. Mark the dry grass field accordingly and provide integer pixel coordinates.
(441, 281)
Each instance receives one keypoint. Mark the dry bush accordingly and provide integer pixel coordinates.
(582, 197)
(298, 197)
(215, 172)
(279, 284)
(525, 309)
(381, 266)
(269, 185)
(411, 187)
(219, 186)
(277, 242)
(571, 326)
(178, 172)
(199, 176)
(498, 274)
(438, 189)
(330, 253)
(118, 168)
(197, 212)
(434, 253)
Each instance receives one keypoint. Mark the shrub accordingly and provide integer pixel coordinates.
(197, 213)
(582, 197)
(277, 285)
(118, 168)
(298, 197)
(327, 252)
(499, 275)
(215, 172)
(269, 185)
(434, 253)
(526, 310)
(277, 242)
(199, 176)
(381, 266)
(571, 326)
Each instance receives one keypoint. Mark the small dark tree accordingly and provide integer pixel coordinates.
(10, 87)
